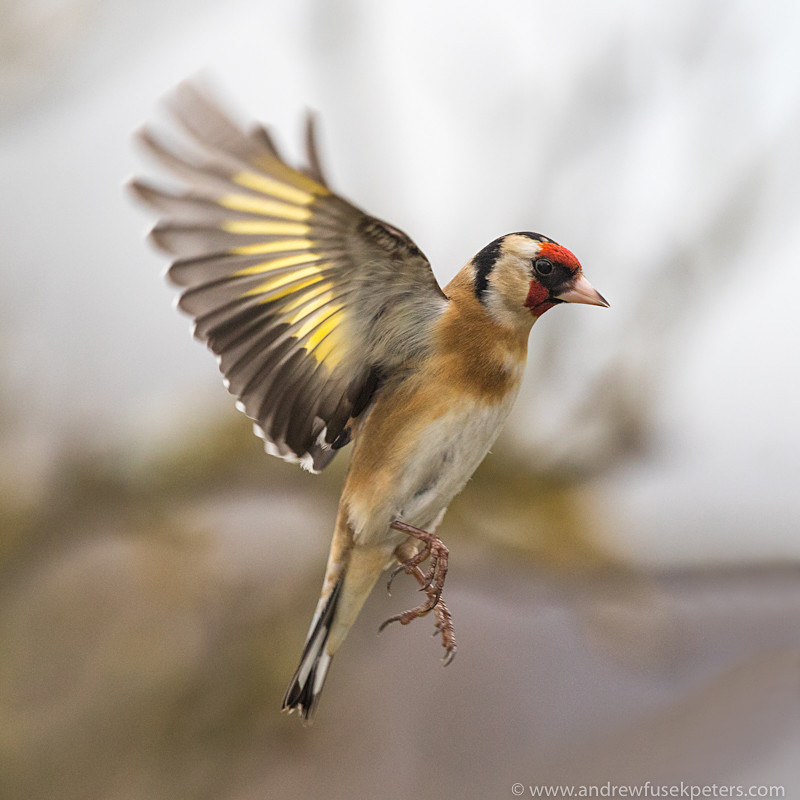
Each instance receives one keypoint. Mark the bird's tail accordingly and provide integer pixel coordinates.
(309, 678)
(334, 616)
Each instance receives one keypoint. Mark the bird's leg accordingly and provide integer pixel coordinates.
(431, 583)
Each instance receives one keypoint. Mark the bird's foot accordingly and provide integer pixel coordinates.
(434, 548)
(431, 583)
(408, 566)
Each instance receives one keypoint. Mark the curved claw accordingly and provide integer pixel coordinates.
(395, 572)
(429, 577)
(395, 618)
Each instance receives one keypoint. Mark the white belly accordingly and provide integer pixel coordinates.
(448, 453)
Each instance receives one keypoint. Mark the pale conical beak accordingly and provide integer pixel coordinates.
(581, 291)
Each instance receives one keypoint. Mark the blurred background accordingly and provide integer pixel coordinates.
(624, 565)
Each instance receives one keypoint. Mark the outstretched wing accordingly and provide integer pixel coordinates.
(308, 303)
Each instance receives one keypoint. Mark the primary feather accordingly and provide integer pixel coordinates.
(306, 300)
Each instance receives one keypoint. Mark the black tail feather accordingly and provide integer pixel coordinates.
(306, 685)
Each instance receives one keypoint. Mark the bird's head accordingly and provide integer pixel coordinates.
(521, 275)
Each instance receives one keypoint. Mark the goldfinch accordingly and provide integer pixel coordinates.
(330, 329)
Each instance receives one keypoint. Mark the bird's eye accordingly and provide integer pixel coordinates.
(543, 266)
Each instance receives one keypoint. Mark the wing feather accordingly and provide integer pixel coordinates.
(308, 303)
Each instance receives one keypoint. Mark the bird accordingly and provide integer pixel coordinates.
(331, 330)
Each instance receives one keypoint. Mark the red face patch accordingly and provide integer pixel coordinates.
(538, 299)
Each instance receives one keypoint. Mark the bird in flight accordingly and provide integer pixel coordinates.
(331, 330)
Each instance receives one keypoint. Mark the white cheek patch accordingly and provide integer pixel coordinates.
(508, 287)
